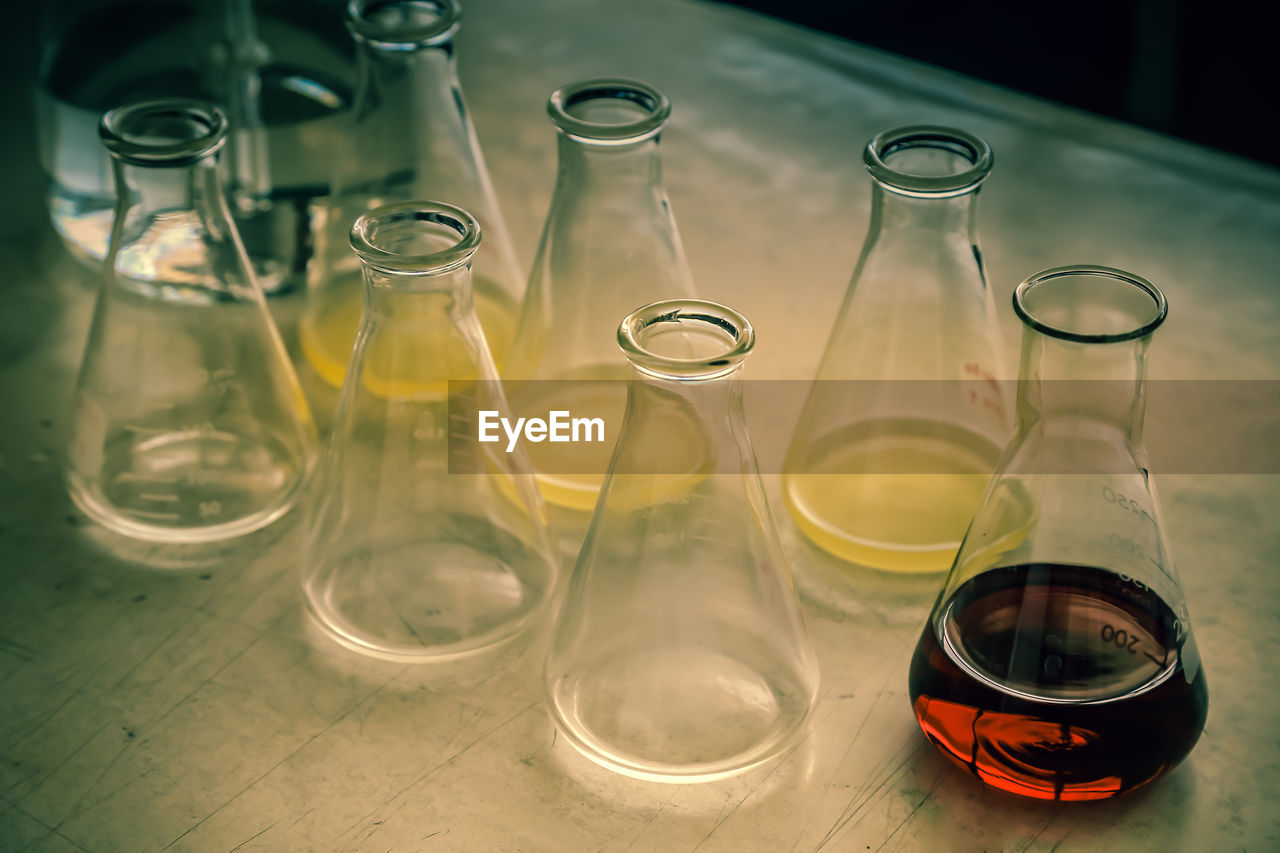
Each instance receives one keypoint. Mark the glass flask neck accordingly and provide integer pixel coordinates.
(637, 165)
(413, 250)
(1102, 383)
(1087, 330)
(894, 211)
(149, 191)
(688, 348)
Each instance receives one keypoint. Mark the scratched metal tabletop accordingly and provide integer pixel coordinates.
(153, 700)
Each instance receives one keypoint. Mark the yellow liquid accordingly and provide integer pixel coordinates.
(420, 342)
(841, 498)
(570, 474)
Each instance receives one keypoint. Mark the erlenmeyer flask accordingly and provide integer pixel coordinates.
(879, 472)
(1058, 662)
(190, 425)
(609, 245)
(679, 653)
(407, 558)
(410, 138)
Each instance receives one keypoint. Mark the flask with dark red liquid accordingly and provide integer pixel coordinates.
(1058, 662)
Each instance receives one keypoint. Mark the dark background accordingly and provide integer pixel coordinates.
(1203, 70)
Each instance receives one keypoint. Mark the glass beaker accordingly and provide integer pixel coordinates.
(406, 558)
(679, 653)
(189, 425)
(609, 245)
(1058, 662)
(281, 71)
(410, 137)
(889, 476)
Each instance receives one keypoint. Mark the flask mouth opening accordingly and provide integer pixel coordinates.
(1090, 304)
(416, 237)
(686, 339)
(609, 111)
(403, 24)
(163, 131)
(931, 161)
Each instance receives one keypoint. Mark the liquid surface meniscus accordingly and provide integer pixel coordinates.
(1059, 682)
(894, 495)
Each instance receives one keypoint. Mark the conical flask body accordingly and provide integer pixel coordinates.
(413, 554)
(609, 245)
(885, 471)
(679, 653)
(189, 422)
(410, 137)
(1059, 661)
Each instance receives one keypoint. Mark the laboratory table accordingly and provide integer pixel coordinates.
(156, 700)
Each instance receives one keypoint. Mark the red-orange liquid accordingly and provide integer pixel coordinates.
(1071, 684)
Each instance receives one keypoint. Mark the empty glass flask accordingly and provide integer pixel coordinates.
(1058, 662)
(679, 653)
(886, 472)
(189, 423)
(609, 245)
(413, 554)
(410, 137)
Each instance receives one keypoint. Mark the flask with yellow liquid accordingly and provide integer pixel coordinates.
(609, 246)
(410, 137)
(886, 471)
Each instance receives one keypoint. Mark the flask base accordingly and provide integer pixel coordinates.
(1058, 683)
(189, 487)
(679, 713)
(431, 598)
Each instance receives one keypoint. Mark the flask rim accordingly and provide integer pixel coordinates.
(653, 100)
(1026, 312)
(403, 37)
(142, 133)
(723, 318)
(364, 237)
(973, 148)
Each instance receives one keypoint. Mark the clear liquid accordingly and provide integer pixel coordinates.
(842, 499)
(304, 89)
(186, 486)
(422, 340)
(1059, 682)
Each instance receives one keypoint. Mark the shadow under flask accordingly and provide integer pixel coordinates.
(410, 137)
(1058, 662)
(190, 425)
(414, 554)
(904, 421)
(609, 245)
(680, 654)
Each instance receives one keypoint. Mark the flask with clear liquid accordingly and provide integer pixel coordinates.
(880, 473)
(189, 425)
(281, 71)
(410, 137)
(1058, 662)
(679, 653)
(609, 245)
(412, 554)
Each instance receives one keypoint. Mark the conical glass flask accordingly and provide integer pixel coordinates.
(409, 558)
(885, 472)
(609, 245)
(679, 653)
(190, 425)
(410, 138)
(1058, 662)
